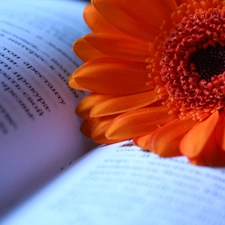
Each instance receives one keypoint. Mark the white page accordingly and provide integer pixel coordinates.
(39, 131)
(123, 185)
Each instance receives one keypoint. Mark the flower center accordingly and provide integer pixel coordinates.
(191, 77)
(209, 62)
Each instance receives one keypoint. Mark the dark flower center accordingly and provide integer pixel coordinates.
(209, 61)
(191, 81)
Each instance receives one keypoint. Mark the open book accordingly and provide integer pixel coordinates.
(39, 131)
(46, 174)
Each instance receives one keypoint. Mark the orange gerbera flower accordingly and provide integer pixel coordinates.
(156, 73)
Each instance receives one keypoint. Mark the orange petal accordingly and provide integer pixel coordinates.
(137, 123)
(121, 104)
(220, 131)
(171, 4)
(179, 2)
(85, 51)
(151, 13)
(111, 76)
(112, 13)
(97, 23)
(211, 154)
(142, 141)
(84, 107)
(88, 125)
(73, 84)
(119, 47)
(165, 141)
(195, 140)
(98, 131)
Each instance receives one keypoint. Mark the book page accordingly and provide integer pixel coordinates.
(39, 131)
(120, 184)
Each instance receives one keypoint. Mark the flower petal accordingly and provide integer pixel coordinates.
(111, 76)
(137, 122)
(110, 11)
(151, 13)
(220, 132)
(171, 4)
(95, 128)
(88, 125)
(179, 2)
(75, 85)
(195, 140)
(165, 141)
(211, 154)
(98, 131)
(97, 23)
(84, 107)
(142, 141)
(85, 51)
(115, 105)
(119, 47)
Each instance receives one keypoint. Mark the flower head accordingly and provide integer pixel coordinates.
(156, 73)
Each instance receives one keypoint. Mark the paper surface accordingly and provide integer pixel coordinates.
(120, 184)
(39, 131)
